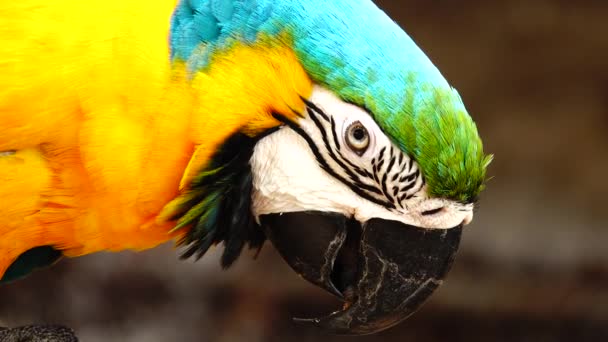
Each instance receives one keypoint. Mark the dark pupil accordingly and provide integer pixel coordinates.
(359, 133)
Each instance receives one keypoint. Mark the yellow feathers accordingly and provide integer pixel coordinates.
(240, 91)
(88, 102)
(105, 128)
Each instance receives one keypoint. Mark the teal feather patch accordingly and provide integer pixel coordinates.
(358, 52)
(29, 261)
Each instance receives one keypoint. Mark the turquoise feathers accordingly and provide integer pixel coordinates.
(358, 52)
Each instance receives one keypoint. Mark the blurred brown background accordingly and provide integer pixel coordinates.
(533, 265)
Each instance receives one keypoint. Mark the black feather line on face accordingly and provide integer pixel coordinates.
(220, 204)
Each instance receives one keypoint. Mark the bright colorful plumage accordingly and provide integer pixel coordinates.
(125, 124)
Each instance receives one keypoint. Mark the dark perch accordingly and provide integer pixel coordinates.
(38, 333)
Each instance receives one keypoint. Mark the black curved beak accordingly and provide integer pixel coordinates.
(383, 270)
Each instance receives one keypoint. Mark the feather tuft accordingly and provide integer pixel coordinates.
(216, 207)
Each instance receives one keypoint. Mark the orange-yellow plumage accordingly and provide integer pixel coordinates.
(105, 128)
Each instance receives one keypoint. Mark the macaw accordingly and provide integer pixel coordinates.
(318, 125)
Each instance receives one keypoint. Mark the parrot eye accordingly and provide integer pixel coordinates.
(357, 137)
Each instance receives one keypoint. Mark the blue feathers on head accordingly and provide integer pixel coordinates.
(350, 46)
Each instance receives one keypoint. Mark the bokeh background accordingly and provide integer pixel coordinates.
(533, 265)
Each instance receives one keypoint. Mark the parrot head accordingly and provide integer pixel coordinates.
(321, 127)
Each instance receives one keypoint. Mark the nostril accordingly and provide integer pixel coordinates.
(432, 211)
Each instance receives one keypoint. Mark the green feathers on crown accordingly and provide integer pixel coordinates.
(444, 141)
(441, 136)
(431, 125)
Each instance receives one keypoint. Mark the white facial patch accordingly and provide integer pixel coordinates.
(290, 175)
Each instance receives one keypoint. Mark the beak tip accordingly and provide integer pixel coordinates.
(325, 325)
(306, 321)
(339, 326)
(334, 290)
